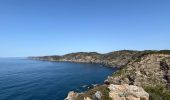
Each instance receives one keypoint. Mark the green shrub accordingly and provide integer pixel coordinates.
(158, 92)
(119, 72)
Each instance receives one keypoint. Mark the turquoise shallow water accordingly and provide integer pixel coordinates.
(24, 79)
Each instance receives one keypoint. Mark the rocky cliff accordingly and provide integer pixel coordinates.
(150, 71)
(111, 92)
(145, 77)
(140, 71)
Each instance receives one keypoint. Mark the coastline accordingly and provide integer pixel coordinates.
(129, 74)
(111, 59)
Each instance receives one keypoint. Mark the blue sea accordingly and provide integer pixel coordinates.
(24, 79)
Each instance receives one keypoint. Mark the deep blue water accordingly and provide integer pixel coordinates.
(23, 79)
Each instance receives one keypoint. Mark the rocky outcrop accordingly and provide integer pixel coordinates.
(98, 95)
(127, 92)
(150, 71)
(111, 92)
(72, 96)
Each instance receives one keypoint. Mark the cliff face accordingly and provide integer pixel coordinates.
(150, 71)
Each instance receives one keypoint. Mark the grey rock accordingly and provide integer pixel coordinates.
(98, 95)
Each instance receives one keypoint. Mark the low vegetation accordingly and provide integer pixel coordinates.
(158, 92)
(103, 89)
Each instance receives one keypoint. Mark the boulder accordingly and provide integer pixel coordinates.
(114, 96)
(127, 92)
(98, 95)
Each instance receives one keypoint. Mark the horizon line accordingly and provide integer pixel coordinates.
(81, 52)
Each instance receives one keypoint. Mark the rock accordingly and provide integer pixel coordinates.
(127, 92)
(114, 96)
(71, 95)
(98, 95)
(87, 98)
(106, 82)
(138, 92)
(130, 97)
(117, 88)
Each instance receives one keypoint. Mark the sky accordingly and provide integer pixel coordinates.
(57, 27)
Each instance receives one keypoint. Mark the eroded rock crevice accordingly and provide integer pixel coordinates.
(165, 67)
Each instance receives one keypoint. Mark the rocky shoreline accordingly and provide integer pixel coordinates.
(111, 92)
(143, 75)
(112, 59)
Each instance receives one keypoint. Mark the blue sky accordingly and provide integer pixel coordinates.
(49, 27)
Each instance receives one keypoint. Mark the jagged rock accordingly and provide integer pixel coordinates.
(138, 92)
(129, 92)
(71, 96)
(98, 95)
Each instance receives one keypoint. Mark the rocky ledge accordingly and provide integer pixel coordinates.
(113, 92)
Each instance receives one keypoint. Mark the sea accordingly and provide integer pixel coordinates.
(26, 79)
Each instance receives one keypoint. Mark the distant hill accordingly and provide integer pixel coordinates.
(112, 59)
